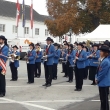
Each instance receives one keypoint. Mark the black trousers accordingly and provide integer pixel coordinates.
(79, 77)
(55, 70)
(86, 72)
(2, 83)
(63, 67)
(66, 69)
(48, 73)
(103, 92)
(38, 69)
(30, 70)
(14, 71)
(70, 71)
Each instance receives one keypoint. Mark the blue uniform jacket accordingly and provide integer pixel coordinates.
(50, 55)
(64, 55)
(87, 60)
(31, 56)
(103, 75)
(4, 51)
(95, 59)
(39, 54)
(71, 57)
(57, 56)
(16, 62)
(81, 61)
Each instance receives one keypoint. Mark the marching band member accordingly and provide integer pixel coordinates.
(86, 63)
(102, 77)
(31, 56)
(70, 57)
(56, 60)
(80, 65)
(48, 64)
(3, 51)
(75, 45)
(14, 63)
(94, 57)
(38, 61)
(64, 56)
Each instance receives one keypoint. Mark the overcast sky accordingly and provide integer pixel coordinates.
(39, 5)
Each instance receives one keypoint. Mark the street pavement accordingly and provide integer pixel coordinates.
(60, 96)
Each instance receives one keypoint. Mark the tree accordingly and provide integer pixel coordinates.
(81, 15)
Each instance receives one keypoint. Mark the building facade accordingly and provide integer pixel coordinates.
(9, 29)
(8, 22)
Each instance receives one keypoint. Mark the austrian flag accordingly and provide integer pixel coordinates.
(17, 13)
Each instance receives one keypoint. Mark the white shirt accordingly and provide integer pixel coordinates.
(48, 45)
(1, 45)
(101, 59)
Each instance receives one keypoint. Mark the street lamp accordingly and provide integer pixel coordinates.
(70, 32)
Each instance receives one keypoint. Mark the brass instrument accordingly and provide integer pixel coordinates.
(14, 57)
(38, 49)
(26, 58)
(88, 43)
(44, 58)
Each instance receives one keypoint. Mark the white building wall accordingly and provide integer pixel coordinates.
(9, 22)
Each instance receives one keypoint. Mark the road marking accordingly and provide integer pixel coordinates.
(24, 103)
(54, 101)
(42, 86)
(95, 100)
(25, 78)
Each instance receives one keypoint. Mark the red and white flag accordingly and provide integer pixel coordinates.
(3, 65)
(31, 14)
(17, 13)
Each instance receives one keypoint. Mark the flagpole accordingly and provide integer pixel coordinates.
(17, 31)
(24, 32)
(32, 32)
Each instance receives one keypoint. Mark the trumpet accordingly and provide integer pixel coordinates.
(44, 58)
(14, 57)
(26, 58)
(38, 49)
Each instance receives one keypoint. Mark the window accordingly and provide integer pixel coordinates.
(26, 30)
(36, 31)
(15, 30)
(2, 27)
(46, 32)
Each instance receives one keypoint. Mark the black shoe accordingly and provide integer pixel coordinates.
(85, 78)
(38, 76)
(28, 82)
(79, 89)
(31, 82)
(54, 78)
(93, 84)
(48, 85)
(64, 76)
(2, 95)
(45, 84)
(14, 79)
(11, 80)
(68, 81)
(76, 90)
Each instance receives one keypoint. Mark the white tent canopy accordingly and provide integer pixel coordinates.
(101, 33)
